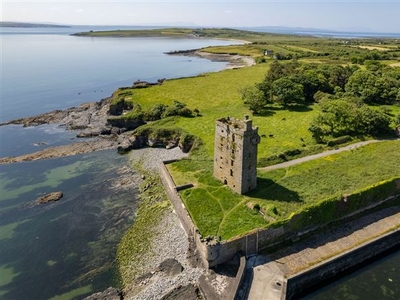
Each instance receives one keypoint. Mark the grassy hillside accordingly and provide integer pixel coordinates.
(216, 95)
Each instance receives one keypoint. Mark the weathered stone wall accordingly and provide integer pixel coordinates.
(235, 154)
(181, 211)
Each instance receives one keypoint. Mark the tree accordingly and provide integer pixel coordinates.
(254, 98)
(312, 82)
(362, 84)
(369, 121)
(347, 116)
(378, 88)
(266, 87)
(397, 120)
(279, 70)
(337, 75)
(285, 92)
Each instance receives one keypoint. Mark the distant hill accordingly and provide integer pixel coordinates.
(31, 25)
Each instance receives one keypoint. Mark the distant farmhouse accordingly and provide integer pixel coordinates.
(268, 52)
(235, 153)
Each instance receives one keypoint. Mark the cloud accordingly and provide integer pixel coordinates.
(79, 11)
(228, 11)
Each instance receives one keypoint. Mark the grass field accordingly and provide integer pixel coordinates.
(216, 95)
(374, 48)
(218, 211)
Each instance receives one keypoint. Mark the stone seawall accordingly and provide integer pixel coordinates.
(202, 252)
(302, 282)
(181, 211)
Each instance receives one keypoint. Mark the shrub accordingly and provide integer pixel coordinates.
(397, 120)
(339, 140)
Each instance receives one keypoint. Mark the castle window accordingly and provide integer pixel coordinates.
(231, 172)
(232, 162)
(233, 137)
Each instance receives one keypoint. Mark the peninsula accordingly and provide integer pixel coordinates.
(307, 95)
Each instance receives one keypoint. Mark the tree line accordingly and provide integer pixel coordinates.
(347, 96)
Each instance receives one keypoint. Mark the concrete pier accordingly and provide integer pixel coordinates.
(294, 269)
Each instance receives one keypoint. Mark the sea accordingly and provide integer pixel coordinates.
(66, 249)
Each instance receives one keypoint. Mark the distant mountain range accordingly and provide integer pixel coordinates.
(31, 25)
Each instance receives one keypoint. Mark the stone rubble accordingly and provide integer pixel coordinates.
(171, 241)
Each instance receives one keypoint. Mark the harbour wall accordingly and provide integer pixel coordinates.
(308, 280)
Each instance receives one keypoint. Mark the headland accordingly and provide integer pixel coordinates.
(117, 122)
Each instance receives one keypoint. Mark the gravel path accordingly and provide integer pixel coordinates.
(316, 156)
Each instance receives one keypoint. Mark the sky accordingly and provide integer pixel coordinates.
(351, 15)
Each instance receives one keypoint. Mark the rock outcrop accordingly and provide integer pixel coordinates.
(98, 125)
(55, 196)
(109, 294)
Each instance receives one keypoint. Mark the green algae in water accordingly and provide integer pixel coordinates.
(7, 231)
(6, 277)
(68, 247)
(27, 181)
(74, 293)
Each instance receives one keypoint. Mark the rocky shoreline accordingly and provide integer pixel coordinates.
(96, 123)
(91, 122)
(172, 273)
(234, 61)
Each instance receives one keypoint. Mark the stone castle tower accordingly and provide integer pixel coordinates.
(235, 153)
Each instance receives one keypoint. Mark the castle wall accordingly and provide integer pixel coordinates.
(183, 214)
(235, 154)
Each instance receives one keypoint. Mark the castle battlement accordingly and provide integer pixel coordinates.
(235, 153)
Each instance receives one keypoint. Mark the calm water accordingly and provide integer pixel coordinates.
(377, 281)
(43, 72)
(47, 69)
(65, 248)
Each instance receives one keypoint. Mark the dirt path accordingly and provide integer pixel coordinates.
(316, 156)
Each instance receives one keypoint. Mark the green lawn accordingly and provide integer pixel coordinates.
(217, 95)
(218, 211)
